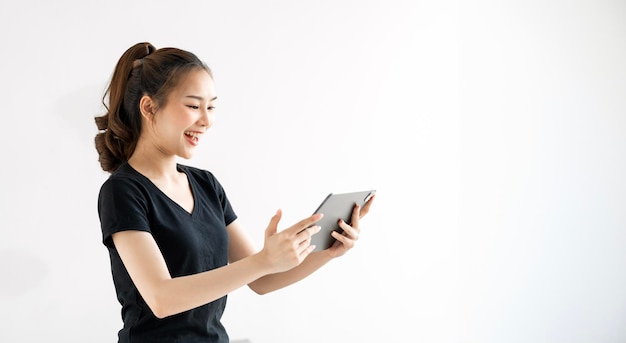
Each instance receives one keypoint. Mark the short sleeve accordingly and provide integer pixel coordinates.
(122, 205)
(227, 208)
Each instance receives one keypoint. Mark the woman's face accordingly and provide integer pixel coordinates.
(177, 127)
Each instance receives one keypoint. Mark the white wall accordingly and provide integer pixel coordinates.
(495, 136)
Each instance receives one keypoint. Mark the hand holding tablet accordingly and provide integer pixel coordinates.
(336, 207)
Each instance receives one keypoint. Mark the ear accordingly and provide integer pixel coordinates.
(147, 107)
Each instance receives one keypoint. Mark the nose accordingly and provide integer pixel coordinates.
(207, 118)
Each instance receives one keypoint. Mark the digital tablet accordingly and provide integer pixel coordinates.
(336, 206)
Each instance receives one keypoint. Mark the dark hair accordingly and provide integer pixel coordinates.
(142, 70)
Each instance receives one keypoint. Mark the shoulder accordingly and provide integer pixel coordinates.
(123, 181)
(204, 178)
(198, 174)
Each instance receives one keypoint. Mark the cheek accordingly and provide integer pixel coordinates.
(164, 129)
(175, 123)
(185, 119)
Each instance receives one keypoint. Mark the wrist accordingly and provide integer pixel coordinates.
(262, 263)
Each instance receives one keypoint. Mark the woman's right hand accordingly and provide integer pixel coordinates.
(288, 248)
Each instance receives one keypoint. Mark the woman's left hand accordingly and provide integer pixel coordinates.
(346, 240)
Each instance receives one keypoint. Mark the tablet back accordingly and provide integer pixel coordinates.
(335, 207)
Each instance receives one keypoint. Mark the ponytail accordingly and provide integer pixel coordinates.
(142, 70)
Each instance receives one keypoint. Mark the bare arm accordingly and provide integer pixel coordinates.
(167, 296)
(241, 247)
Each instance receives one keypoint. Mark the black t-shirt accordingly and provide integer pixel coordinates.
(190, 243)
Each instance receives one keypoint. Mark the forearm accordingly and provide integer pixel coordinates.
(272, 282)
(176, 295)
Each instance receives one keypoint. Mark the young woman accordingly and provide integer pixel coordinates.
(175, 244)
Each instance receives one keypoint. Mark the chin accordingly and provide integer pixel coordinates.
(186, 156)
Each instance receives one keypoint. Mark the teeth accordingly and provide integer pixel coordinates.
(192, 134)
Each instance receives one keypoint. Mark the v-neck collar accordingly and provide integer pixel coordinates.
(192, 187)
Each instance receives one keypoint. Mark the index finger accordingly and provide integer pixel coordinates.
(366, 207)
(304, 223)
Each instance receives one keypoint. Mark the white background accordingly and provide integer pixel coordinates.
(494, 133)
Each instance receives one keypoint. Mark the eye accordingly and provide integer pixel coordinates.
(193, 107)
(210, 108)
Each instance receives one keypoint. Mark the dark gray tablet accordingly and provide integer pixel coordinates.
(335, 207)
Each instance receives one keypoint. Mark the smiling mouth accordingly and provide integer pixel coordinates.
(193, 135)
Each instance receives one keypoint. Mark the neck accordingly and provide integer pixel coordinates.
(153, 163)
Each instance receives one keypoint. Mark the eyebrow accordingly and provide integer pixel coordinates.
(200, 98)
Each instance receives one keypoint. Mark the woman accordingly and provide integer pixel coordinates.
(175, 244)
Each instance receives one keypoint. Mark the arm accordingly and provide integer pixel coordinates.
(241, 246)
(167, 296)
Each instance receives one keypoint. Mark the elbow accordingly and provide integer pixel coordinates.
(260, 291)
(159, 312)
(258, 288)
(160, 306)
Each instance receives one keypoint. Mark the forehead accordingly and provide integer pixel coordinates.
(197, 82)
